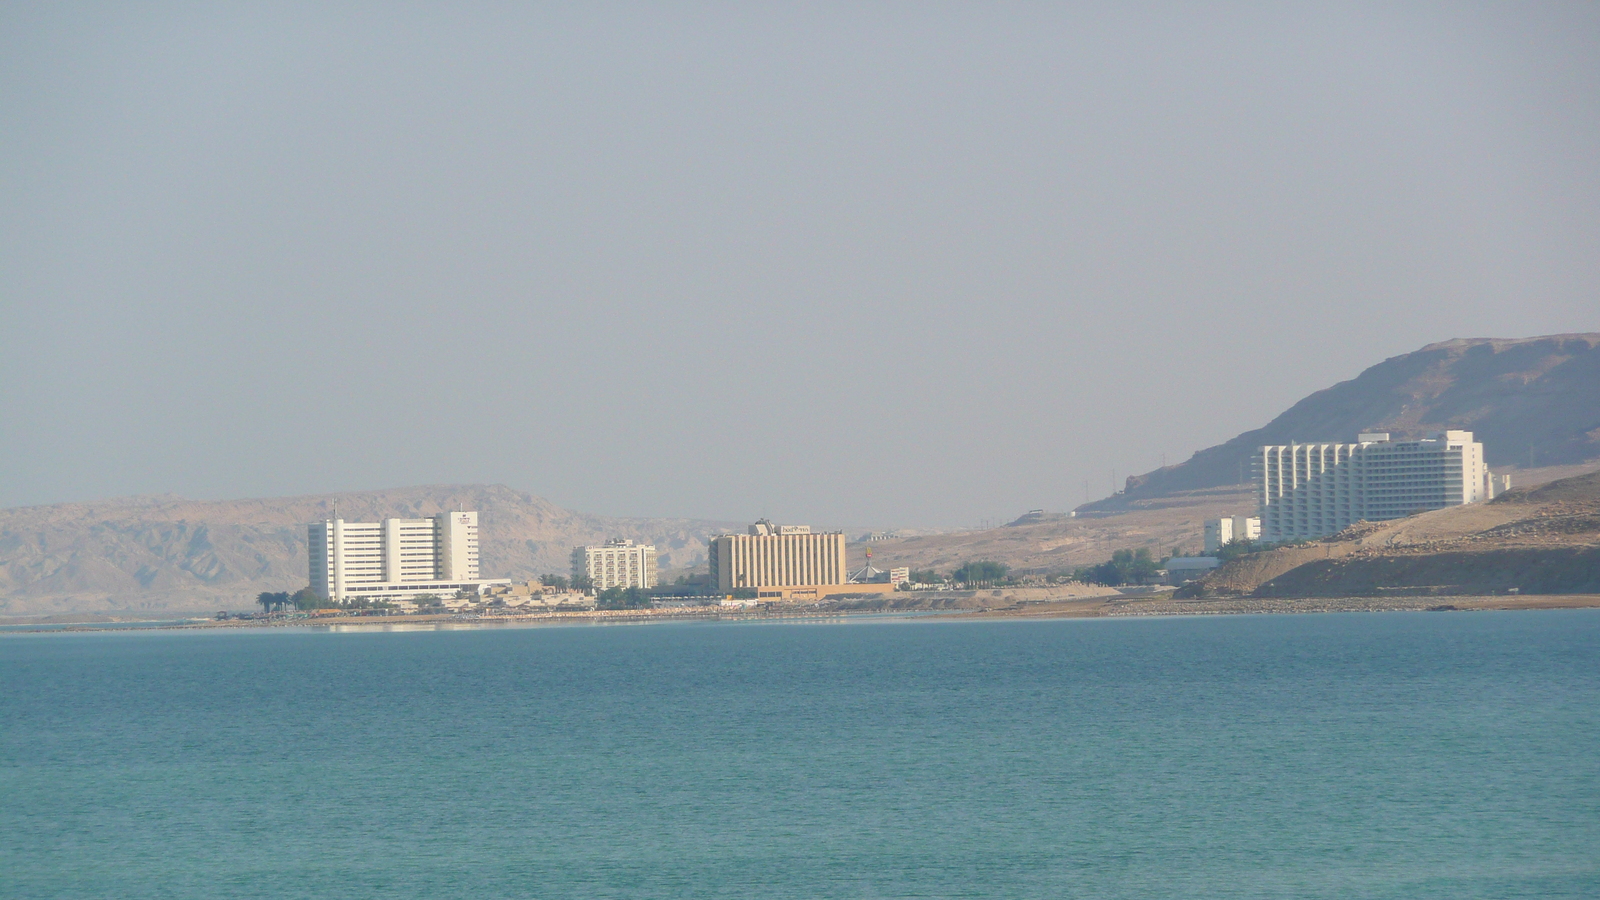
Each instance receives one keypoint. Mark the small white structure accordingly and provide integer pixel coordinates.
(901, 575)
(1231, 528)
(1187, 568)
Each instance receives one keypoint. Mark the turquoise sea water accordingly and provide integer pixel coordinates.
(1405, 755)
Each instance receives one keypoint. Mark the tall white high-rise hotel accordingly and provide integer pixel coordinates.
(396, 559)
(1312, 490)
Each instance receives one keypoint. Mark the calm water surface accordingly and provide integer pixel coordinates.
(1405, 755)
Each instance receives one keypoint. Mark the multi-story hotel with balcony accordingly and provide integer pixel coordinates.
(617, 564)
(397, 559)
(1312, 490)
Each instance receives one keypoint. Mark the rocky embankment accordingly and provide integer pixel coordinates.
(1556, 570)
(1266, 605)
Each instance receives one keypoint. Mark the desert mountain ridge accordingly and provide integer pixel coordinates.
(1532, 402)
(165, 552)
(162, 552)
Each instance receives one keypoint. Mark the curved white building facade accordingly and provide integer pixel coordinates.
(1313, 490)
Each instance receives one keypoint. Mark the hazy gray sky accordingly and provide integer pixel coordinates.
(870, 264)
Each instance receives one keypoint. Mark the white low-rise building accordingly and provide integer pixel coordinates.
(1219, 532)
(547, 600)
(1182, 569)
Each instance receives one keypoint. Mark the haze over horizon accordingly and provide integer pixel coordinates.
(903, 265)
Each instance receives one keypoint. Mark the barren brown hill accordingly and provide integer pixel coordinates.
(1063, 543)
(1542, 539)
(1159, 523)
(1535, 396)
(149, 553)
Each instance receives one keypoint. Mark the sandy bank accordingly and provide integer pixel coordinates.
(1167, 606)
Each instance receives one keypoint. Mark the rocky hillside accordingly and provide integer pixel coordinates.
(146, 553)
(1537, 540)
(1541, 393)
(1056, 544)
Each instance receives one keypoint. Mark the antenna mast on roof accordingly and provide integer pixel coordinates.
(867, 573)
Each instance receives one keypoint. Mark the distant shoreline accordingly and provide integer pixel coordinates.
(1167, 606)
(1087, 608)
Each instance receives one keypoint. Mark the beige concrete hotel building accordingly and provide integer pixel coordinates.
(777, 556)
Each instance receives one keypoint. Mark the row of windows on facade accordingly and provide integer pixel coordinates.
(1408, 454)
(421, 585)
(1349, 479)
(1369, 501)
(1388, 484)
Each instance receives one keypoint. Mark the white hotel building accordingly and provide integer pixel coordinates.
(619, 563)
(1220, 532)
(397, 559)
(1312, 490)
